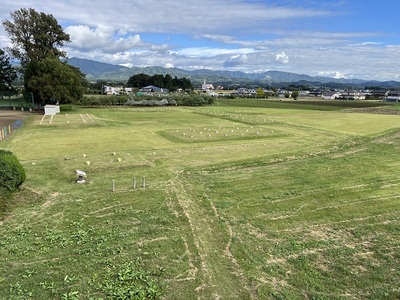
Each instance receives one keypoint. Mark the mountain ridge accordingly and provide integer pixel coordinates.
(95, 70)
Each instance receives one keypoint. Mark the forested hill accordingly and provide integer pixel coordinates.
(94, 69)
(102, 71)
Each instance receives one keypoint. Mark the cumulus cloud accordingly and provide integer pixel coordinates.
(85, 38)
(282, 58)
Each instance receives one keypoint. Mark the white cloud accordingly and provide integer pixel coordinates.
(366, 44)
(85, 38)
(190, 17)
(218, 34)
(282, 58)
(210, 52)
(332, 74)
(236, 60)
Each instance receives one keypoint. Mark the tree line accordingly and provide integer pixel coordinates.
(161, 81)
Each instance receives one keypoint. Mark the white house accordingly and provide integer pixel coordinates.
(352, 95)
(116, 90)
(331, 95)
(50, 109)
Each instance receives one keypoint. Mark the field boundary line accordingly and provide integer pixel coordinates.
(83, 119)
(90, 118)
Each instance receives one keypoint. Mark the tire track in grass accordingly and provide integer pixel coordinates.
(219, 273)
(228, 252)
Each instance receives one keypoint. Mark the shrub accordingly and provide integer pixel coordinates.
(171, 99)
(66, 107)
(12, 174)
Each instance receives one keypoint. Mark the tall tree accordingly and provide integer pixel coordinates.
(36, 40)
(34, 35)
(7, 72)
(168, 83)
(52, 79)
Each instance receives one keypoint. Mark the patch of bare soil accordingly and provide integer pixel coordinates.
(8, 117)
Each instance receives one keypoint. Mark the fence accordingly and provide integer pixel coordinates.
(7, 131)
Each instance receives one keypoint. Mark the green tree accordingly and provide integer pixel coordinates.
(295, 95)
(53, 79)
(139, 80)
(7, 72)
(34, 35)
(142, 80)
(260, 93)
(168, 83)
(36, 39)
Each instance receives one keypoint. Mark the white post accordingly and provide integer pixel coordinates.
(134, 182)
(143, 181)
(113, 185)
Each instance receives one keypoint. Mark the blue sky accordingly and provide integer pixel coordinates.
(340, 39)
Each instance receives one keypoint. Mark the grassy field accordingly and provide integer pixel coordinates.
(242, 200)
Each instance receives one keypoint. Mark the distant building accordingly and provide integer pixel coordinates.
(331, 95)
(379, 94)
(283, 93)
(393, 96)
(115, 90)
(352, 95)
(315, 93)
(153, 89)
(207, 86)
(246, 91)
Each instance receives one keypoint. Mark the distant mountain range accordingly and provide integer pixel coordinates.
(95, 70)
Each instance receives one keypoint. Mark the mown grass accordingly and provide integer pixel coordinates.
(308, 208)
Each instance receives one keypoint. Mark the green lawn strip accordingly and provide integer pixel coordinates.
(345, 193)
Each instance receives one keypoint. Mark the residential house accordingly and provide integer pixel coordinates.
(393, 96)
(283, 93)
(352, 95)
(153, 89)
(331, 95)
(315, 93)
(246, 91)
(304, 93)
(116, 90)
(379, 94)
